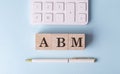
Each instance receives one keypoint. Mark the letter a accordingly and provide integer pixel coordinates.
(43, 42)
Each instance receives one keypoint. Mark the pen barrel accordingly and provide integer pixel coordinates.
(50, 60)
(91, 60)
(69, 60)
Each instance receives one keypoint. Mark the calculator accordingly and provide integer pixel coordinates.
(62, 12)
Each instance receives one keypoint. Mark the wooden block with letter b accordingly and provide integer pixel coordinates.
(60, 41)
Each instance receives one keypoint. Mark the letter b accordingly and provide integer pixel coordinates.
(61, 42)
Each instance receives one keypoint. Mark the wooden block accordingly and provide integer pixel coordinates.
(76, 41)
(60, 41)
(43, 41)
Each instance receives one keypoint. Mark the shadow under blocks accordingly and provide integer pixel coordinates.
(89, 39)
(90, 10)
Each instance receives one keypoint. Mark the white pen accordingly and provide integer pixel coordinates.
(64, 60)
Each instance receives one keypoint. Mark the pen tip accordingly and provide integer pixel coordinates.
(28, 60)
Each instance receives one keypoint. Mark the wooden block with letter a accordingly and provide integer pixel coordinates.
(44, 41)
(60, 41)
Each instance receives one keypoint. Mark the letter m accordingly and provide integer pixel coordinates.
(76, 43)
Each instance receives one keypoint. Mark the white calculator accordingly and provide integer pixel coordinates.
(62, 12)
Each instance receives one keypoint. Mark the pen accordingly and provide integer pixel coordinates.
(64, 60)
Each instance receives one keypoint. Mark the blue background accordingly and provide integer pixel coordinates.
(17, 40)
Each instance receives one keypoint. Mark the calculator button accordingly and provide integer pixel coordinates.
(81, 18)
(59, 17)
(59, 6)
(37, 18)
(48, 17)
(81, 7)
(70, 12)
(37, 6)
(48, 6)
(83, 0)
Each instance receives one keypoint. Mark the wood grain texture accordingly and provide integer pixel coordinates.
(39, 40)
(60, 41)
(76, 41)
